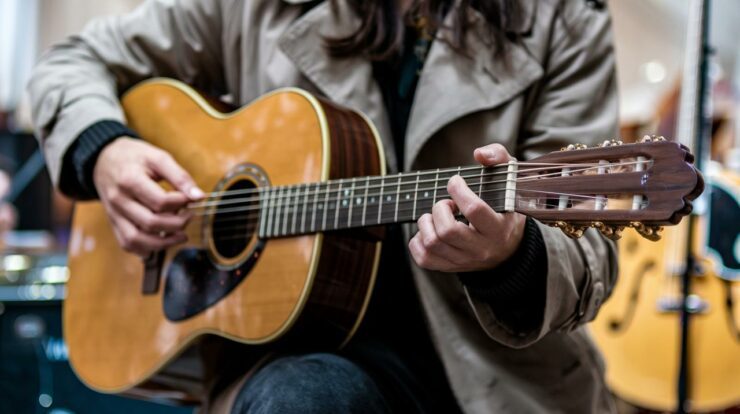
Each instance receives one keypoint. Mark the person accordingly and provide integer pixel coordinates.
(479, 317)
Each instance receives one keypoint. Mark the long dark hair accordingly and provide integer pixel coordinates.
(381, 32)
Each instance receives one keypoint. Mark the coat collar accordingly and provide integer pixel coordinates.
(480, 81)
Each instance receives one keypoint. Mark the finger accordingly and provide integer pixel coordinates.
(426, 259)
(448, 229)
(479, 214)
(135, 241)
(431, 242)
(492, 154)
(155, 197)
(152, 223)
(166, 167)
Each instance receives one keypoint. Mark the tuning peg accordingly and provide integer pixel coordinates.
(648, 232)
(652, 138)
(611, 232)
(570, 230)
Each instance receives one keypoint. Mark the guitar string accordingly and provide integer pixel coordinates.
(273, 201)
(331, 200)
(223, 236)
(256, 212)
(386, 180)
(276, 193)
(401, 211)
(218, 194)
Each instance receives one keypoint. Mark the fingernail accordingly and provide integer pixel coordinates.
(488, 153)
(196, 193)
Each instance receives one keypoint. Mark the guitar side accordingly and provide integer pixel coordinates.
(119, 337)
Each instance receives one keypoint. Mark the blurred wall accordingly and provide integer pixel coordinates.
(650, 37)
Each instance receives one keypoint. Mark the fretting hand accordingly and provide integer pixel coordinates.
(145, 217)
(445, 244)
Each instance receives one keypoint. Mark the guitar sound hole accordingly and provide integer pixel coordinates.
(235, 220)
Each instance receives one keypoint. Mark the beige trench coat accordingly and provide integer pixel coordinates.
(559, 89)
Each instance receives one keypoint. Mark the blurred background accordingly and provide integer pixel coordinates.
(651, 45)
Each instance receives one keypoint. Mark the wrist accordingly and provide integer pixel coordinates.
(87, 150)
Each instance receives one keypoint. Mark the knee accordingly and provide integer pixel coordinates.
(313, 383)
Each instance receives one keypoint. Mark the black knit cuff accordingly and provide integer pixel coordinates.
(516, 288)
(79, 162)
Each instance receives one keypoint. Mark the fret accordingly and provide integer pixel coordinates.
(306, 193)
(380, 199)
(295, 208)
(350, 198)
(326, 204)
(315, 204)
(436, 184)
(286, 212)
(364, 204)
(480, 181)
(494, 187)
(425, 194)
(262, 212)
(407, 198)
(270, 211)
(416, 195)
(337, 205)
(276, 231)
(398, 193)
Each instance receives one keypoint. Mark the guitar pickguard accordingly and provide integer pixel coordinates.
(193, 283)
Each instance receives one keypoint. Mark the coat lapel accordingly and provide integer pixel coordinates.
(349, 81)
(452, 85)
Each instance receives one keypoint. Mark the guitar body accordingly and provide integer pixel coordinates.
(125, 322)
(640, 336)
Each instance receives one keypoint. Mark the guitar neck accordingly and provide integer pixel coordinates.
(372, 201)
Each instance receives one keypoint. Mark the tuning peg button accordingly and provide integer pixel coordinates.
(648, 232)
(611, 232)
(572, 231)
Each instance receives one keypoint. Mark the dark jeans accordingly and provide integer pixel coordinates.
(312, 383)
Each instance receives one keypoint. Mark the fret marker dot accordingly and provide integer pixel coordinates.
(359, 200)
(426, 193)
(372, 199)
(389, 198)
(344, 203)
(408, 196)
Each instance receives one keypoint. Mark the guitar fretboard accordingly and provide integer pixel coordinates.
(371, 201)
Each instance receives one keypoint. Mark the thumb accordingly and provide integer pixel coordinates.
(167, 168)
(492, 154)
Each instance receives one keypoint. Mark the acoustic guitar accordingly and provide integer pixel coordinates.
(284, 249)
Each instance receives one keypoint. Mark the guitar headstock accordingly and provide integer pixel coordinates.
(644, 185)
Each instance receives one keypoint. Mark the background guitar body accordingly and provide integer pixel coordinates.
(641, 335)
(118, 336)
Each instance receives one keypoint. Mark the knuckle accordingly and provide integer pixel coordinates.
(423, 260)
(149, 224)
(127, 180)
(447, 233)
(157, 204)
(127, 243)
(430, 241)
(113, 195)
(483, 256)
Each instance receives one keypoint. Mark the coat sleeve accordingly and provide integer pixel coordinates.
(78, 81)
(575, 102)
